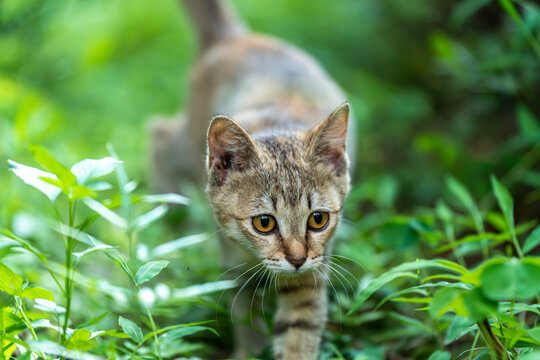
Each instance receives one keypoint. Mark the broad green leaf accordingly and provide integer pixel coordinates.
(440, 355)
(90, 169)
(505, 201)
(510, 279)
(81, 340)
(169, 198)
(448, 299)
(143, 221)
(34, 177)
(478, 307)
(81, 192)
(42, 156)
(131, 329)
(149, 270)
(37, 293)
(175, 245)
(515, 308)
(49, 306)
(106, 213)
(532, 241)
(10, 282)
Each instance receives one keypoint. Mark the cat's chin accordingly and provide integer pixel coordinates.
(283, 267)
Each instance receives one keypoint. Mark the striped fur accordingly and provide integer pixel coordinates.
(280, 149)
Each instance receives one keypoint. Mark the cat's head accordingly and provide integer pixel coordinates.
(280, 195)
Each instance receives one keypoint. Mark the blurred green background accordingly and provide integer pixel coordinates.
(438, 88)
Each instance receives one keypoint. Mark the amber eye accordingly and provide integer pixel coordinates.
(264, 223)
(317, 220)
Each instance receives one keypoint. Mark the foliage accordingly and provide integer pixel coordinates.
(442, 216)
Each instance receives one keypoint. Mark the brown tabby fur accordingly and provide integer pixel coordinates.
(282, 155)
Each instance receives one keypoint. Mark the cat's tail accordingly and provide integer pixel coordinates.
(214, 21)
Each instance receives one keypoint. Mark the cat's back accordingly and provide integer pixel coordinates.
(254, 71)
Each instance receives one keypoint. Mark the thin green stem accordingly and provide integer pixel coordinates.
(69, 267)
(509, 7)
(492, 340)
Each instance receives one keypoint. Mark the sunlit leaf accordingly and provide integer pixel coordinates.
(143, 221)
(131, 329)
(34, 177)
(169, 198)
(37, 293)
(175, 245)
(106, 213)
(52, 348)
(150, 270)
(90, 169)
(206, 288)
(43, 157)
(448, 299)
(10, 282)
(81, 340)
(459, 327)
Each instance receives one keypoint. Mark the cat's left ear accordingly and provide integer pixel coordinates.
(327, 140)
(230, 148)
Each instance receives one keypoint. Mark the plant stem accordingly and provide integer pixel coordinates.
(68, 287)
(491, 339)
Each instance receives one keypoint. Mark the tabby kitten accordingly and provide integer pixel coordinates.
(277, 166)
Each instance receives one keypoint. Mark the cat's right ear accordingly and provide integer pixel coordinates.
(230, 148)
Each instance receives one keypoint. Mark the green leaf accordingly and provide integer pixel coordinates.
(206, 288)
(175, 245)
(90, 169)
(448, 299)
(440, 355)
(169, 198)
(37, 293)
(530, 129)
(534, 355)
(478, 307)
(42, 156)
(153, 215)
(412, 322)
(10, 282)
(376, 284)
(131, 329)
(34, 177)
(532, 241)
(188, 330)
(80, 340)
(106, 213)
(460, 326)
(511, 279)
(462, 194)
(149, 270)
(505, 201)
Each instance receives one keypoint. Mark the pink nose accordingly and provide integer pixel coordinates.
(296, 262)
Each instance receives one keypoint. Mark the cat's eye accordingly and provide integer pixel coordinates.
(264, 223)
(318, 220)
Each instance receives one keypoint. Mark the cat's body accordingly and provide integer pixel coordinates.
(275, 173)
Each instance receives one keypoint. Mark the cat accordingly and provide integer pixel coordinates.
(277, 167)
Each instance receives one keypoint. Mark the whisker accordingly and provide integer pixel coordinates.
(333, 262)
(350, 259)
(337, 274)
(258, 280)
(242, 288)
(336, 268)
(335, 292)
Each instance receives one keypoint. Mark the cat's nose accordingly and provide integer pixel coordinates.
(296, 262)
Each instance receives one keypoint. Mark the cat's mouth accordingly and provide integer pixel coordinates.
(291, 267)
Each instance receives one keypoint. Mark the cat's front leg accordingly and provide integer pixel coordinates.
(300, 318)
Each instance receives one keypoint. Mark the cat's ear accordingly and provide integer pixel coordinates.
(230, 148)
(328, 139)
